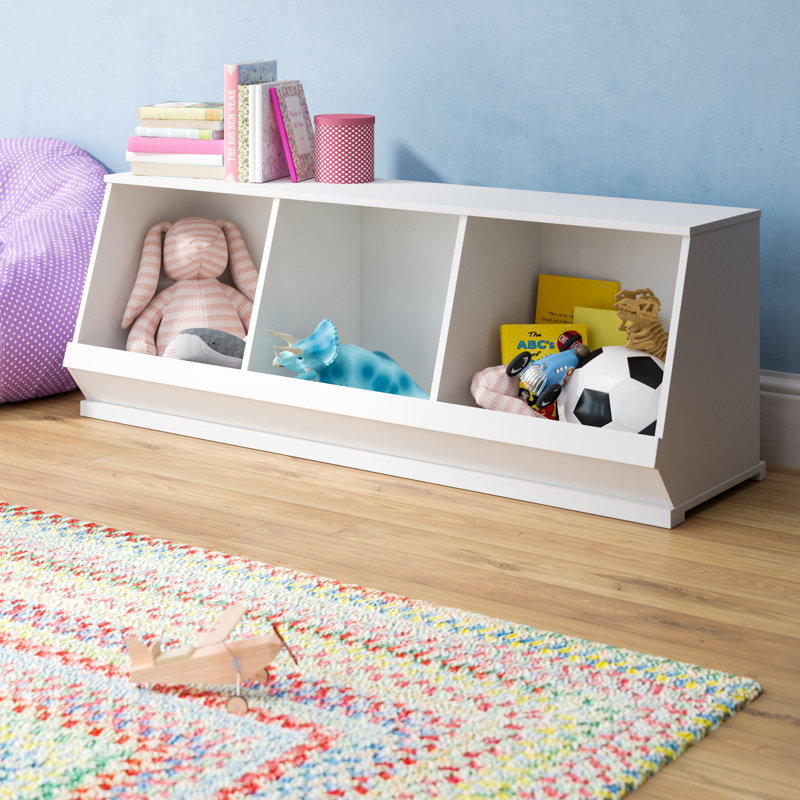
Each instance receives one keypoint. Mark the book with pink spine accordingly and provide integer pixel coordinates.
(149, 144)
(297, 132)
(267, 158)
(236, 75)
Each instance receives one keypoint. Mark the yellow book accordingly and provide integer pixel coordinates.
(558, 295)
(602, 326)
(538, 340)
(181, 109)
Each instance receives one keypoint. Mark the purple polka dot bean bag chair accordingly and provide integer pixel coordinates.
(50, 198)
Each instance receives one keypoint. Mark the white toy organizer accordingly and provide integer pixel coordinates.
(428, 273)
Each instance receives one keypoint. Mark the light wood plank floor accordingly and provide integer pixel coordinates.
(722, 590)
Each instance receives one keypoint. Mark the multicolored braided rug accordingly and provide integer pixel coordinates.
(393, 698)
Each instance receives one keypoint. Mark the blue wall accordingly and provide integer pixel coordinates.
(687, 100)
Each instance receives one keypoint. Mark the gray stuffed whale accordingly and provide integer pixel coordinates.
(209, 346)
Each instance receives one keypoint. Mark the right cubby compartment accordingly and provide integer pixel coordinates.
(706, 277)
(498, 273)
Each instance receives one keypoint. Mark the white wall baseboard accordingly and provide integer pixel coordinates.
(780, 418)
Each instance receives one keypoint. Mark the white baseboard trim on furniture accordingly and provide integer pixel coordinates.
(780, 418)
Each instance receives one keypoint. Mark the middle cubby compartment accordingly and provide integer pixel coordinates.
(381, 274)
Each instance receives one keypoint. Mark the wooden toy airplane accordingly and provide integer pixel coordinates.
(211, 660)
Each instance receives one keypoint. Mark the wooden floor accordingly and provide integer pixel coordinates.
(722, 590)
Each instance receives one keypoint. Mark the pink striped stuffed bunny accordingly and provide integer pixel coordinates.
(195, 253)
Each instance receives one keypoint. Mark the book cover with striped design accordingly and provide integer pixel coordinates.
(181, 109)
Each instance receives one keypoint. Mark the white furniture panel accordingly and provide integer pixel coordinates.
(494, 283)
(428, 273)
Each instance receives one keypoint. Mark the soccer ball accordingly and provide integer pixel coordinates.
(616, 389)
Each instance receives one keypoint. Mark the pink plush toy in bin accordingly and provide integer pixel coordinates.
(344, 148)
(193, 252)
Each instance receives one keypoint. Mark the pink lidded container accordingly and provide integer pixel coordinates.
(344, 148)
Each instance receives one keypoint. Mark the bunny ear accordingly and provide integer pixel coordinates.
(242, 269)
(147, 278)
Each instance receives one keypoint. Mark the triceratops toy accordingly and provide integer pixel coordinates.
(320, 357)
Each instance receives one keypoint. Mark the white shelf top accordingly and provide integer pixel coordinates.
(616, 213)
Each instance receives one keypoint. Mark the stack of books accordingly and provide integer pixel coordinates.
(237, 80)
(261, 131)
(179, 138)
(268, 131)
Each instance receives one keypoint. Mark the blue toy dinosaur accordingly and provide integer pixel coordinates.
(320, 357)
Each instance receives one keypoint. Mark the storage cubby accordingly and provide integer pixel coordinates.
(428, 273)
(381, 276)
(128, 212)
(496, 282)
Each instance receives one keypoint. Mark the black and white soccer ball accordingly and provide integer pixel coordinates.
(616, 389)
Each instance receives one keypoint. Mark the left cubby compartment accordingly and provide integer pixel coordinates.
(129, 210)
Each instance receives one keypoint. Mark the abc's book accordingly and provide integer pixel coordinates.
(538, 340)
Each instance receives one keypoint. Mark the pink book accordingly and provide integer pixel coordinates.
(267, 157)
(239, 75)
(297, 133)
(151, 144)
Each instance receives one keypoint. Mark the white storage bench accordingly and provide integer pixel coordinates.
(427, 273)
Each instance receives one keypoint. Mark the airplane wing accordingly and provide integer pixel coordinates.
(226, 622)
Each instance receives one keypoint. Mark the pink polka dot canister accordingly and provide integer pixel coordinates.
(344, 148)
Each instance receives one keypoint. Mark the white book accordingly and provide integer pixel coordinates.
(202, 159)
(177, 170)
(256, 141)
(267, 157)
